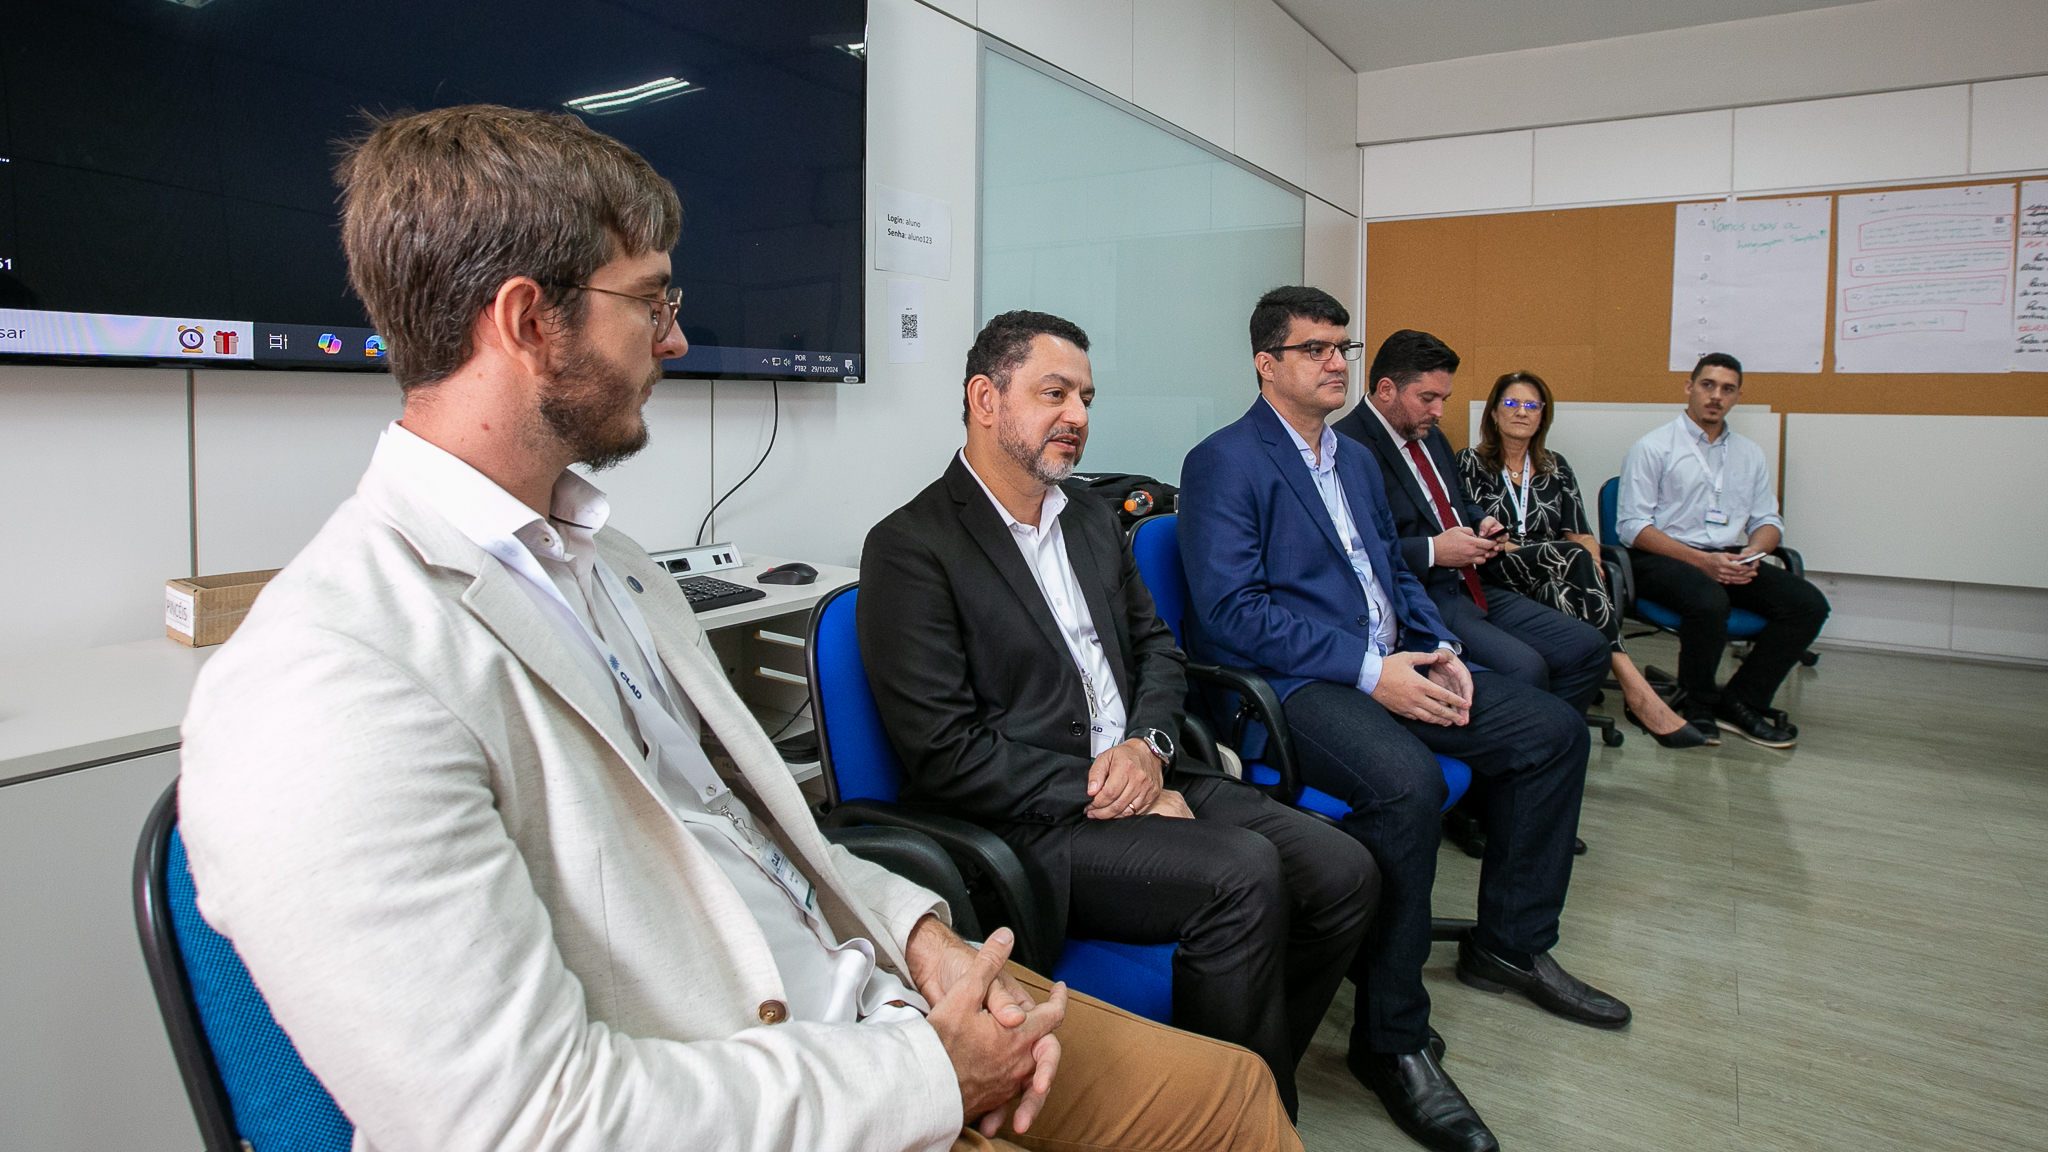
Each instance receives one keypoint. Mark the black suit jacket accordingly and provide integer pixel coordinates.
(976, 687)
(1414, 512)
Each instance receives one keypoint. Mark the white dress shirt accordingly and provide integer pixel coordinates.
(826, 981)
(1385, 625)
(1679, 481)
(1045, 552)
(1450, 493)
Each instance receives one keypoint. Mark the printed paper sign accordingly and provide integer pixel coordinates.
(906, 321)
(913, 233)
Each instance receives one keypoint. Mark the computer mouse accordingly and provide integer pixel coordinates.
(793, 573)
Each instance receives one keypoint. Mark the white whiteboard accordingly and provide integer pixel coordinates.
(1960, 498)
(1595, 437)
(1924, 279)
(1750, 278)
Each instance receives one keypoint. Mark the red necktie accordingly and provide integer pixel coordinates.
(1445, 517)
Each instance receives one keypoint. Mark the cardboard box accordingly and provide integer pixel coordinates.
(205, 610)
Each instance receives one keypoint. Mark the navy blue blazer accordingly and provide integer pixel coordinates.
(1269, 586)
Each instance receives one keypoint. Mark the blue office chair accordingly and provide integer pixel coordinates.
(861, 774)
(1155, 543)
(246, 1083)
(242, 1074)
(1742, 623)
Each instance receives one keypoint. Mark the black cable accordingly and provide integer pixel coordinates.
(776, 387)
(793, 718)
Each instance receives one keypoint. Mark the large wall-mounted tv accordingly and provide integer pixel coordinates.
(166, 187)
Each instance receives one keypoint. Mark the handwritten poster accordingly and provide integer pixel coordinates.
(2030, 282)
(1750, 278)
(1924, 281)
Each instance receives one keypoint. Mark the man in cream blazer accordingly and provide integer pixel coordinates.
(450, 844)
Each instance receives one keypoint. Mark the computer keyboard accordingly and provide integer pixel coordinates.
(706, 593)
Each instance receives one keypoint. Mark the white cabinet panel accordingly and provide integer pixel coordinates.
(1271, 93)
(1460, 174)
(1331, 149)
(1978, 477)
(276, 453)
(98, 459)
(1329, 257)
(85, 1066)
(1090, 38)
(1184, 58)
(2001, 621)
(2007, 119)
(1923, 134)
(1634, 159)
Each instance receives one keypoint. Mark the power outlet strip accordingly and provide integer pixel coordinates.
(697, 561)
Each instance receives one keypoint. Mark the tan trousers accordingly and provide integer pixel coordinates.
(1128, 1084)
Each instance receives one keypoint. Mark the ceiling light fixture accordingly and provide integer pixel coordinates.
(654, 91)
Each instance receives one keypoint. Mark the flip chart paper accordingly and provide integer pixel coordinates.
(2030, 282)
(1924, 280)
(1750, 278)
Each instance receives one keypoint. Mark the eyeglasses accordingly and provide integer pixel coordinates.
(665, 306)
(1319, 350)
(1526, 405)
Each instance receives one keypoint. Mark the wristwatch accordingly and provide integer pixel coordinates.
(1159, 742)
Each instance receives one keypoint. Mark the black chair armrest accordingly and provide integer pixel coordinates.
(917, 858)
(1256, 700)
(977, 851)
(1794, 562)
(1621, 576)
(1197, 740)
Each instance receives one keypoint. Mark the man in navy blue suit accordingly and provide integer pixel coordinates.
(1295, 571)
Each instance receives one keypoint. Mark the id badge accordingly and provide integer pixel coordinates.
(1717, 517)
(786, 874)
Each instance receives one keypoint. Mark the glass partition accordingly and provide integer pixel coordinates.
(1153, 244)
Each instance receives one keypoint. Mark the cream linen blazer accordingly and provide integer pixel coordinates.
(415, 814)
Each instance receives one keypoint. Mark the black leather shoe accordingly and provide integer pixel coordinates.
(1752, 725)
(1549, 986)
(1437, 1047)
(1578, 846)
(1702, 721)
(1685, 736)
(1777, 716)
(1423, 1101)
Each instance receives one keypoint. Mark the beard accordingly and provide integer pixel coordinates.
(585, 402)
(1031, 457)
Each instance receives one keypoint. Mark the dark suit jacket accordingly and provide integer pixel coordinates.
(976, 687)
(1414, 512)
(1269, 585)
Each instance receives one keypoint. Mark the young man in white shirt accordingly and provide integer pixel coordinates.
(1030, 686)
(1698, 512)
(444, 789)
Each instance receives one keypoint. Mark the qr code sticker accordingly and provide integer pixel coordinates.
(909, 322)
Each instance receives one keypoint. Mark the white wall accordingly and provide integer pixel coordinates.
(1854, 48)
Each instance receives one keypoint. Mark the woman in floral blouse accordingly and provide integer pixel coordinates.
(1552, 555)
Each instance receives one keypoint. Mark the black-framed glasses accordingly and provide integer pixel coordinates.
(1320, 350)
(1527, 405)
(665, 305)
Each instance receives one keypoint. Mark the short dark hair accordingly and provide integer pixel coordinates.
(1718, 360)
(1282, 306)
(1408, 355)
(439, 209)
(1004, 343)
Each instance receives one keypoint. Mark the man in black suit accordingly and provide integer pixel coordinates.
(1445, 537)
(1029, 685)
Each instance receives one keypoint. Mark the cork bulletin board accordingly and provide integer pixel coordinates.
(1582, 297)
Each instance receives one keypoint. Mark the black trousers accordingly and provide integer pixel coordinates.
(1793, 610)
(1267, 904)
(1529, 642)
(1527, 750)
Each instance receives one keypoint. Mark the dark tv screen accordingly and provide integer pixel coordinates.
(166, 166)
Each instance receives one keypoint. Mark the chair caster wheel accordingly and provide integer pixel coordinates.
(1808, 659)
(1611, 737)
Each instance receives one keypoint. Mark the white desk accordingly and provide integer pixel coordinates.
(103, 704)
(782, 600)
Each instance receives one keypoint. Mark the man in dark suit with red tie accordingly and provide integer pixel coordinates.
(1445, 537)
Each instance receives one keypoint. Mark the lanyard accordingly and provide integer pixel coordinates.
(1713, 476)
(669, 744)
(1521, 502)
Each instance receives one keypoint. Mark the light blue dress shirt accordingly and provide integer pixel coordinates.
(1668, 480)
(1385, 626)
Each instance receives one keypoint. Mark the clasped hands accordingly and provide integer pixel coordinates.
(1128, 780)
(1726, 568)
(999, 1039)
(1434, 687)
